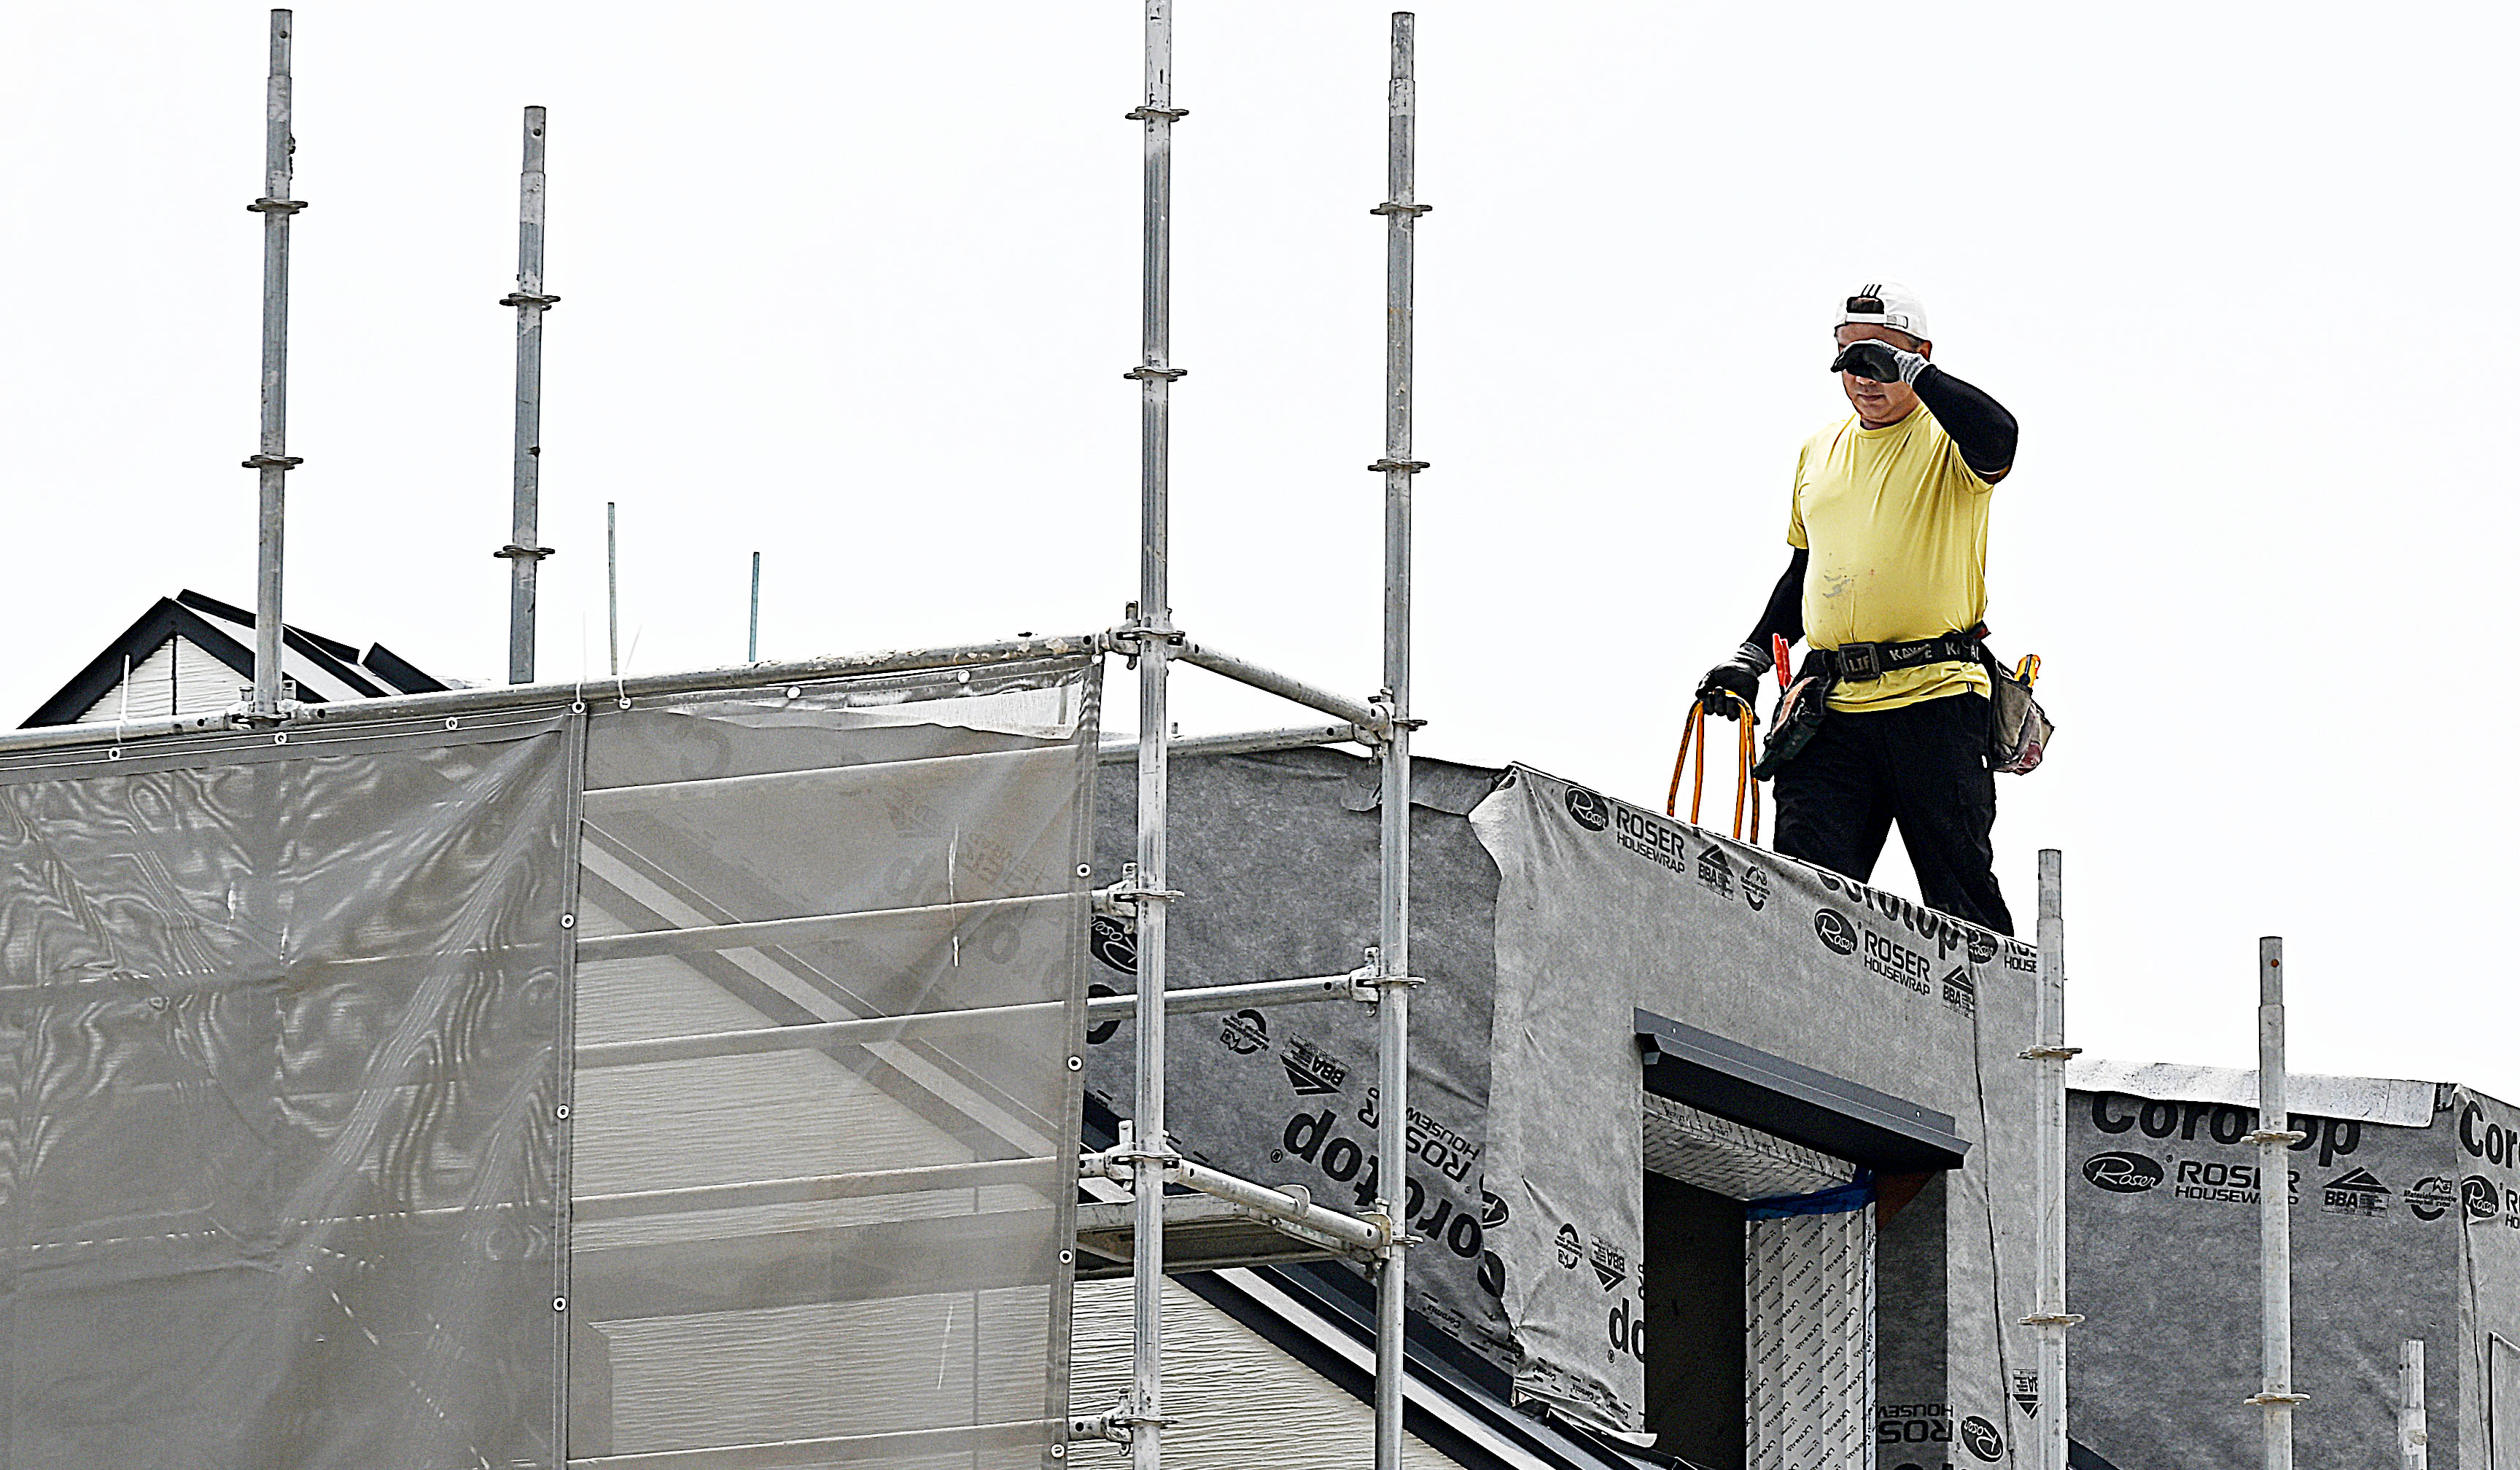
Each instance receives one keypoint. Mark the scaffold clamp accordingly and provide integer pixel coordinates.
(2285, 1137)
(2269, 1401)
(276, 207)
(515, 552)
(526, 298)
(1405, 467)
(2052, 1320)
(1149, 115)
(2051, 1053)
(274, 462)
(1168, 374)
(1392, 207)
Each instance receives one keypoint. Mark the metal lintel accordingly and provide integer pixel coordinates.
(1797, 1103)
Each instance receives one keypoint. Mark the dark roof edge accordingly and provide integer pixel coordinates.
(1798, 1103)
(165, 618)
(399, 671)
(206, 602)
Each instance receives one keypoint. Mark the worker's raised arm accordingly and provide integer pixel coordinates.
(1737, 677)
(1981, 429)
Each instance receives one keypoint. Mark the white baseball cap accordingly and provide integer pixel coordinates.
(1884, 303)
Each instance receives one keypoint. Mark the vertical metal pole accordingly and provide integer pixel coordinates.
(273, 459)
(2051, 1053)
(1393, 976)
(2413, 1450)
(524, 551)
(612, 585)
(2274, 1137)
(1153, 645)
(752, 637)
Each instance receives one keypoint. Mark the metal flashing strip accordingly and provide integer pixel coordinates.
(1797, 1103)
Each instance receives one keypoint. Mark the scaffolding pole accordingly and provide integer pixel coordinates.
(2413, 1451)
(2051, 1053)
(273, 459)
(524, 551)
(1393, 979)
(1152, 639)
(2274, 1137)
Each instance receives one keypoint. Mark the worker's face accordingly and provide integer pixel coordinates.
(1879, 404)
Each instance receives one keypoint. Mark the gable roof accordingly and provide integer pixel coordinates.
(194, 631)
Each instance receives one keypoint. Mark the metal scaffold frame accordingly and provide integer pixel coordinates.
(1143, 1157)
(1147, 638)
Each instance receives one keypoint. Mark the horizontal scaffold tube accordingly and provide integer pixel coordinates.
(1216, 662)
(1247, 742)
(489, 698)
(1199, 997)
(1260, 1199)
(755, 1041)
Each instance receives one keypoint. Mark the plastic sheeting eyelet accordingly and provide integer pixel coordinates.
(1085, 870)
(569, 920)
(559, 1304)
(578, 708)
(623, 701)
(796, 691)
(114, 754)
(280, 738)
(1076, 1064)
(452, 721)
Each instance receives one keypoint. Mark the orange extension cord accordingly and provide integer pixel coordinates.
(1745, 792)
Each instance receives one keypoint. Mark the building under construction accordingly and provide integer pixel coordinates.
(862, 1061)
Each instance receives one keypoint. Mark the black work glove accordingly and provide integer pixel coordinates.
(1880, 361)
(1732, 686)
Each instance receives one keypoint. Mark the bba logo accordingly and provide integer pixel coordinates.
(1835, 930)
(1589, 810)
(2122, 1173)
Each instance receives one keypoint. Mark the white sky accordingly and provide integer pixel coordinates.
(853, 284)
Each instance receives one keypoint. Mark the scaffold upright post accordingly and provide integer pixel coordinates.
(2274, 1137)
(1153, 643)
(2051, 1053)
(1400, 210)
(273, 459)
(2414, 1448)
(524, 551)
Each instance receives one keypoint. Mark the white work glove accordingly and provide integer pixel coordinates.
(1878, 361)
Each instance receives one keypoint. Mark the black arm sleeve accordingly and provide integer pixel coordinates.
(1980, 429)
(1785, 615)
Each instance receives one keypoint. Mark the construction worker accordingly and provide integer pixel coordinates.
(1887, 581)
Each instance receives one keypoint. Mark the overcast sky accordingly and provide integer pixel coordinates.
(853, 285)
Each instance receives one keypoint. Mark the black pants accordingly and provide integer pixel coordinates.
(1923, 767)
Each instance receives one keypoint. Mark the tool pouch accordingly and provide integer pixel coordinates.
(2019, 732)
(1798, 717)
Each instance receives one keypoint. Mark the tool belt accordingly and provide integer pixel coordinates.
(1862, 663)
(2018, 730)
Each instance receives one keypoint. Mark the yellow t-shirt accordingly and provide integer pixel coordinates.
(1895, 524)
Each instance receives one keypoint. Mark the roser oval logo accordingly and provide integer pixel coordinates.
(2122, 1173)
(1981, 1439)
(1835, 930)
(1588, 809)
